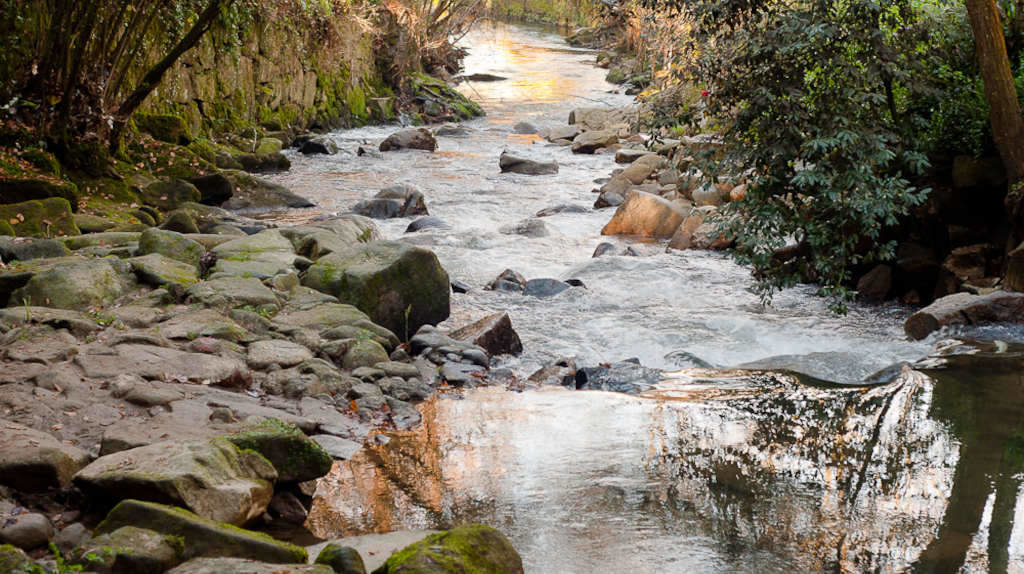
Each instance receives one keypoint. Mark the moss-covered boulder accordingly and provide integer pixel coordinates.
(296, 457)
(364, 353)
(269, 145)
(202, 537)
(159, 271)
(93, 223)
(164, 127)
(470, 549)
(441, 100)
(343, 559)
(77, 284)
(13, 559)
(169, 195)
(28, 249)
(41, 218)
(6, 229)
(213, 478)
(231, 292)
(400, 286)
(20, 190)
(170, 244)
(180, 221)
(130, 549)
(262, 255)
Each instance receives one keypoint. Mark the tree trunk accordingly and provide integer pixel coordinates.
(1004, 108)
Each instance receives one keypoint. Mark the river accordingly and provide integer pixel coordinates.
(715, 470)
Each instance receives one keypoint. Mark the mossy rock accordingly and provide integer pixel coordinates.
(42, 160)
(364, 353)
(439, 92)
(130, 549)
(6, 229)
(400, 286)
(180, 221)
(170, 244)
(160, 271)
(296, 457)
(165, 127)
(13, 559)
(105, 239)
(470, 549)
(76, 285)
(93, 223)
(170, 195)
(202, 537)
(42, 218)
(19, 190)
(269, 145)
(342, 559)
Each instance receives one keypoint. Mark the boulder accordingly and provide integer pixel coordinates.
(966, 309)
(180, 221)
(130, 549)
(171, 244)
(591, 141)
(164, 127)
(527, 228)
(20, 190)
(875, 284)
(243, 566)
(469, 548)
(629, 155)
(646, 215)
(76, 284)
(365, 353)
(158, 363)
(40, 218)
(27, 531)
(159, 271)
(515, 164)
(695, 233)
(92, 223)
(544, 287)
(400, 287)
(263, 354)
(563, 133)
(319, 145)
(525, 128)
(494, 333)
(643, 168)
(257, 194)
(202, 537)
(428, 222)
(26, 249)
(707, 195)
(609, 199)
(412, 138)
(296, 457)
(591, 119)
(508, 280)
(212, 478)
(563, 208)
(400, 200)
(169, 195)
(1014, 278)
(342, 559)
(262, 256)
(13, 559)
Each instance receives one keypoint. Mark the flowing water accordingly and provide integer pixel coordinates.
(715, 470)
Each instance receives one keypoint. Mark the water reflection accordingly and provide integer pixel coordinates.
(716, 472)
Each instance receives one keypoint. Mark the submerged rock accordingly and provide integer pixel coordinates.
(428, 222)
(544, 287)
(515, 164)
(628, 377)
(319, 145)
(470, 548)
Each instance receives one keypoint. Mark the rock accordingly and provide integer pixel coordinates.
(14, 560)
(643, 168)
(130, 549)
(26, 531)
(169, 195)
(242, 566)
(164, 127)
(591, 119)
(527, 228)
(875, 284)
(405, 390)
(367, 396)
(966, 309)
(412, 138)
(427, 223)
(469, 548)
(507, 280)
(69, 538)
(342, 559)
(231, 292)
(201, 536)
(609, 199)
(707, 195)
(453, 131)
(971, 262)
(21, 190)
(629, 155)
(525, 128)
(160, 363)
(263, 354)
(401, 200)
(645, 215)
(568, 133)
(603, 249)
(460, 287)
(257, 194)
(591, 141)
(514, 164)
(150, 395)
(623, 377)
(461, 374)
(92, 224)
(320, 145)
(544, 287)
(364, 354)
(76, 284)
(40, 218)
(180, 222)
(204, 323)
(683, 238)
(170, 244)
(339, 448)
(296, 457)
(1014, 278)
(26, 249)
(563, 208)
(400, 287)
(494, 333)
(214, 189)
(159, 271)
(287, 507)
(263, 255)
(210, 477)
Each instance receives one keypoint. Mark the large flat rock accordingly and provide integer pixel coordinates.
(33, 461)
(966, 309)
(161, 363)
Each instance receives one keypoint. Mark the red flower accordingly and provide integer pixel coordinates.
(704, 93)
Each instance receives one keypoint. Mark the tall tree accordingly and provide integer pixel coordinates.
(1004, 107)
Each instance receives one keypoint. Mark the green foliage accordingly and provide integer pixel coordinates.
(809, 100)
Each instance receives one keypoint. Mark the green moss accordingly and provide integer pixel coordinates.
(164, 127)
(42, 218)
(42, 160)
(470, 549)
(6, 229)
(295, 456)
